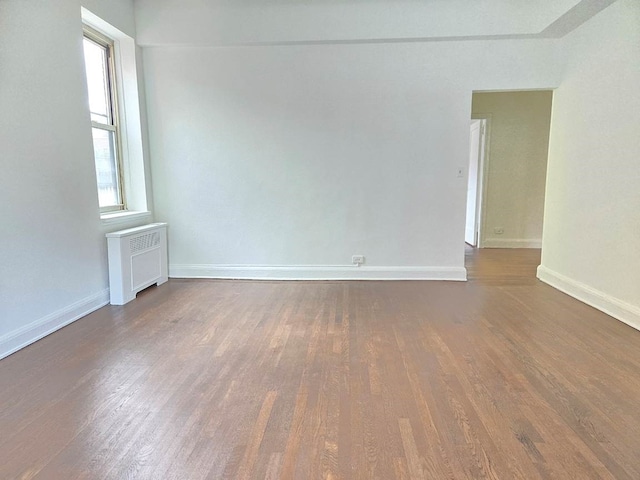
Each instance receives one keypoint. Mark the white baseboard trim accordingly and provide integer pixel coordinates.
(316, 272)
(623, 311)
(13, 341)
(512, 243)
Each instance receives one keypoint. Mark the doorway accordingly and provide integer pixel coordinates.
(508, 147)
(511, 174)
(477, 145)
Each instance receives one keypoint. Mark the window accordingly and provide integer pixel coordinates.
(116, 121)
(99, 65)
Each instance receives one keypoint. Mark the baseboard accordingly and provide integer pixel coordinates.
(34, 331)
(512, 243)
(314, 272)
(623, 311)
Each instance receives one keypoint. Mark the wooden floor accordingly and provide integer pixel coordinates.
(499, 377)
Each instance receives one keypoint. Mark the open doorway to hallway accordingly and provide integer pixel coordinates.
(509, 141)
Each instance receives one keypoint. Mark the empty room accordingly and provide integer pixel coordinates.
(329, 239)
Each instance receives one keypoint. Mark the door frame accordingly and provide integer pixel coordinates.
(483, 175)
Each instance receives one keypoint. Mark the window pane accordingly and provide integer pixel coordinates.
(95, 59)
(104, 148)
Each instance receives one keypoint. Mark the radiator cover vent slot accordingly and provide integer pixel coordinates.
(144, 242)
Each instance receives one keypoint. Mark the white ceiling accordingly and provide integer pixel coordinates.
(255, 22)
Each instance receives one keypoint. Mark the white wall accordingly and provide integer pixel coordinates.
(514, 182)
(119, 13)
(52, 245)
(306, 155)
(591, 245)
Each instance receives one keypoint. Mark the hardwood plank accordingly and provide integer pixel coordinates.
(411, 454)
(255, 439)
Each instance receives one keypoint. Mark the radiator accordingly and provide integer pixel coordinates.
(137, 260)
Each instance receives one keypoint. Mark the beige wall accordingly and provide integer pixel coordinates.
(517, 163)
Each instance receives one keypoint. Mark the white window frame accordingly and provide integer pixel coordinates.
(109, 45)
(134, 171)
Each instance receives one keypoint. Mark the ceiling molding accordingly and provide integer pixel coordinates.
(563, 25)
(574, 17)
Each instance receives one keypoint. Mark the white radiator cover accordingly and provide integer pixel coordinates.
(137, 260)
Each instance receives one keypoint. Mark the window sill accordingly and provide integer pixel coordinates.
(115, 218)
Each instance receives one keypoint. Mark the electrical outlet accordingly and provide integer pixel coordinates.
(498, 230)
(357, 260)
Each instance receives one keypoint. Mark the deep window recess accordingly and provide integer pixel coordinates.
(99, 65)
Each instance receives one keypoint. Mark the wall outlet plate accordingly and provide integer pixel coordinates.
(357, 259)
